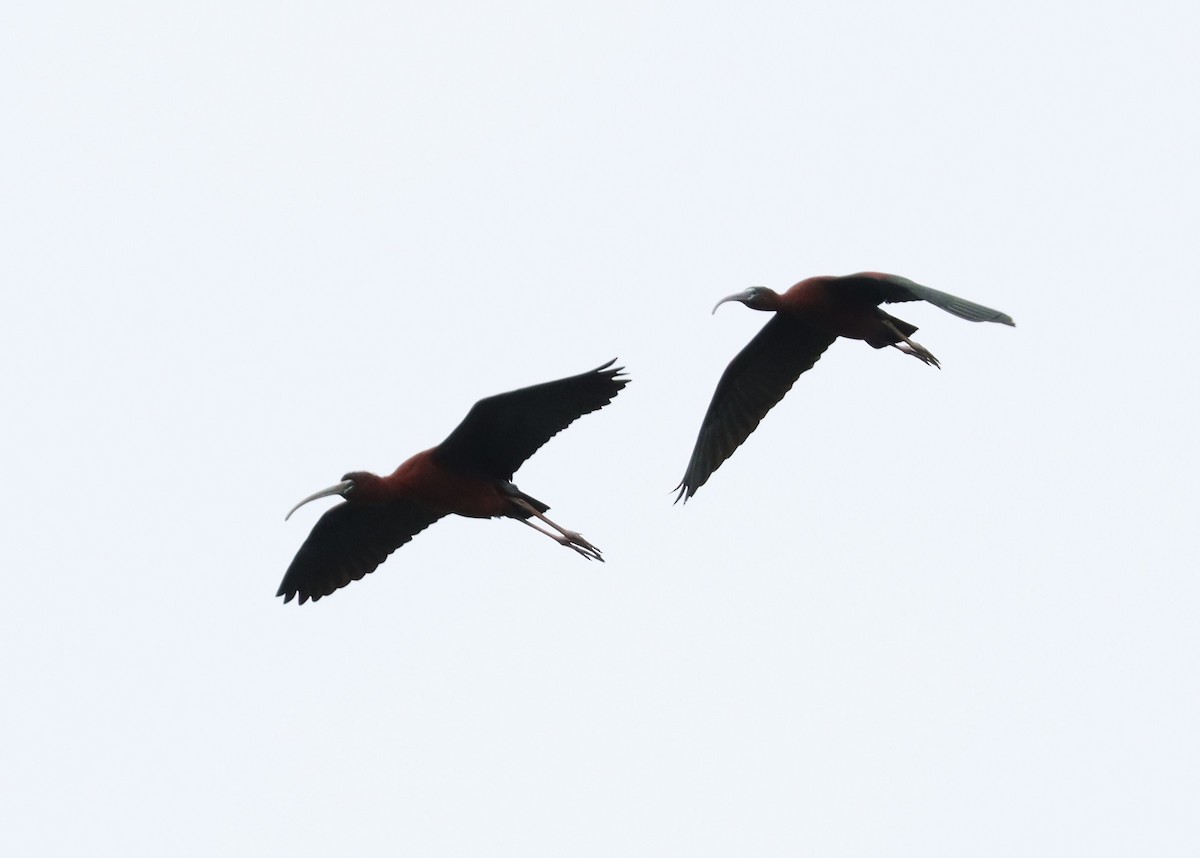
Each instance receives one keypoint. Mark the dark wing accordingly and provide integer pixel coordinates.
(753, 382)
(501, 432)
(891, 288)
(349, 541)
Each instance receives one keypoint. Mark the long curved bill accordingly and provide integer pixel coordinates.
(740, 296)
(340, 489)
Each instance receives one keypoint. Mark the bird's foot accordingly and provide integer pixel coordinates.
(579, 545)
(561, 535)
(920, 353)
(911, 347)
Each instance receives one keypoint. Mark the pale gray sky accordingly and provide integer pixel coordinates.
(247, 247)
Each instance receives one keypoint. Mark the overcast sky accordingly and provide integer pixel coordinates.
(248, 247)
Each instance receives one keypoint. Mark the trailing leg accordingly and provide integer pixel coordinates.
(911, 347)
(569, 538)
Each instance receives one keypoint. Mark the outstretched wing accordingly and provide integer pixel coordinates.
(892, 288)
(501, 432)
(349, 541)
(753, 382)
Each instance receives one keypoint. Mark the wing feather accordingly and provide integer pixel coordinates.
(349, 541)
(751, 385)
(892, 288)
(501, 432)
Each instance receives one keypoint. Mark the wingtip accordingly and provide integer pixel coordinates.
(614, 373)
(289, 595)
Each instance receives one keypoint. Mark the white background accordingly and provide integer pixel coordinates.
(247, 247)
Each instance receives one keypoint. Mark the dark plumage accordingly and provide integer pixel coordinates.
(468, 474)
(808, 318)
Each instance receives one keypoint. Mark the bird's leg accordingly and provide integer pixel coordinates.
(569, 538)
(924, 355)
(912, 348)
(562, 540)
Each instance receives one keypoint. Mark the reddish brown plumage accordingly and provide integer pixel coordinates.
(422, 479)
(808, 318)
(828, 306)
(468, 474)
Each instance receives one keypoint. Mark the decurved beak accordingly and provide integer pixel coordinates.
(740, 296)
(340, 489)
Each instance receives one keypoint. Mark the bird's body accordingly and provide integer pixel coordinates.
(840, 312)
(468, 474)
(808, 318)
(423, 480)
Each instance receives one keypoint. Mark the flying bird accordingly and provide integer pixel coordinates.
(469, 474)
(808, 318)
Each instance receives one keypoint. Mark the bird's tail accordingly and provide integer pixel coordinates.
(883, 336)
(512, 490)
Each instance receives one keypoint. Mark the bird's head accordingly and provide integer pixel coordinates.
(346, 488)
(756, 298)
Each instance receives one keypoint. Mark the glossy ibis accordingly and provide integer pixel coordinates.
(808, 318)
(470, 474)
